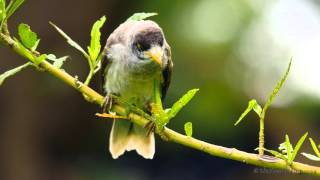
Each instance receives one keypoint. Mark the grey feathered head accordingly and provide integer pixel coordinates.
(139, 44)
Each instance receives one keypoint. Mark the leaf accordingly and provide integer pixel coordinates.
(276, 154)
(13, 7)
(277, 88)
(70, 41)
(141, 16)
(283, 148)
(51, 57)
(39, 59)
(188, 129)
(257, 108)
(184, 100)
(12, 72)
(60, 61)
(311, 156)
(2, 9)
(28, 38)
(57, 62)
(95, 46)
(253, 104)
(314, 147)
(35, 46)
(288, 147)
(298, 146)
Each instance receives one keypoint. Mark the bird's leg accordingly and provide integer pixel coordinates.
(151, 125)
(106, 109)
(157, 122)
(107, 105)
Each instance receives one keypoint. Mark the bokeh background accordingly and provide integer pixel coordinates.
(233, 50)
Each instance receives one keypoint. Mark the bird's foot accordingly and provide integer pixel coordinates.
(107, 105)
(158, 120)
(106, 109)
(151, 126)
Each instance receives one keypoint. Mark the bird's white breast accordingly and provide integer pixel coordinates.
(137, 89)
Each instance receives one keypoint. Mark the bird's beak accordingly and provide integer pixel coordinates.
(155, 54)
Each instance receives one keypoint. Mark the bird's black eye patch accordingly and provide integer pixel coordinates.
(145, 39)
(142, 46)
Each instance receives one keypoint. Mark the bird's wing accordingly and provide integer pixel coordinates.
(105, 64)
(166, 73)
(115, 37)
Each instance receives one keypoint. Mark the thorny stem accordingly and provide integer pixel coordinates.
(261, 134)
(261, 137)
(214, 150)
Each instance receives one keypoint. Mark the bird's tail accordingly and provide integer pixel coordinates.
(126, 136)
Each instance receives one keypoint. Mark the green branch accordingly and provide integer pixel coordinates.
(172, 136)
(27, 45)
(94, 54)
(261, 112)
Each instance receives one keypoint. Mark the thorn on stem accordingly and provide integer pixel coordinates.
(77, 82)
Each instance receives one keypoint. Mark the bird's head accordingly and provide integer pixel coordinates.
(147, 44)
(140, 45)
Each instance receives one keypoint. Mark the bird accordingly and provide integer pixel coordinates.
(136, 58)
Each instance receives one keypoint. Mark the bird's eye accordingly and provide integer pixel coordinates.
(142, 46)
(139, 47)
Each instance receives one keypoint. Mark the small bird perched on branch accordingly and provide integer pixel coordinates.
(138, 60)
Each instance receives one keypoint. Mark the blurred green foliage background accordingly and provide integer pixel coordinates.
(232, 50)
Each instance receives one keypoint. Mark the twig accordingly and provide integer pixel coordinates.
(214, 150)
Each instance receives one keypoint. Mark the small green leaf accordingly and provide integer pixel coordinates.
(95, 46)
(57, 62)
(2, 10)
(276, 154)
(253, 104)
(39, 59)
(13, 7)
(188, 129)
(314, 147)
(70, 41)
(288, 147)
(141, 16)
(283, 148)
(51, 57)
(184, 100)
(311, 156)
(12, 72)
(297, 147)
(28, 38)
(35, 46)
(277, 88)
(257, 108)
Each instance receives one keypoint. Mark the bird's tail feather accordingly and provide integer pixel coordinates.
(126, 136)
